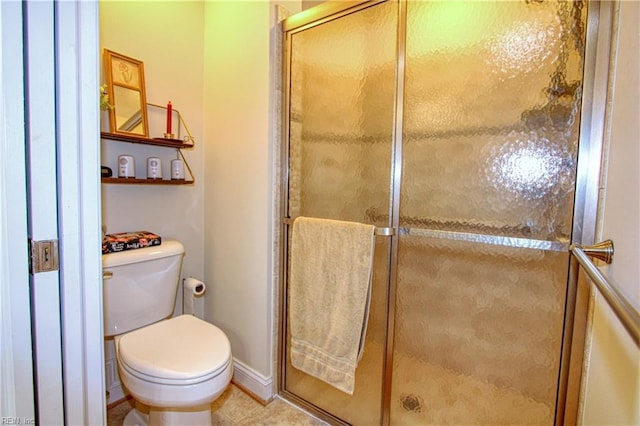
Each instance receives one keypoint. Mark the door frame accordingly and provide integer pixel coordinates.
(73, 27)
(599, 30)
(79, 210)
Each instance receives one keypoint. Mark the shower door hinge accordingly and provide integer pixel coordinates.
(43, 256)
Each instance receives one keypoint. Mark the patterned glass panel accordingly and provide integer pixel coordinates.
(491, 117)
(341, 119)
(478, 333)
(490, 140)
(342, 103)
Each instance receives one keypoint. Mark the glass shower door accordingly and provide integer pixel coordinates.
(341, 106)
(490, 136)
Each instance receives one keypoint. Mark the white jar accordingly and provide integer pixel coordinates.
(177, 169)
(126, 166)
(154, 168)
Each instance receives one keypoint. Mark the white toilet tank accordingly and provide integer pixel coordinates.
(139, 286)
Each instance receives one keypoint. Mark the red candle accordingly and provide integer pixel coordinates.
(169, 113)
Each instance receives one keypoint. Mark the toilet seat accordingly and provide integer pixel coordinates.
(178, 351)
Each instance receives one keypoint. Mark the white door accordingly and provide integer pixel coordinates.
(51, 331)
(16, 371)
(42, 211)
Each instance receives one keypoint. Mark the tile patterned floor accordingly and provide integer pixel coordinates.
(236, 408)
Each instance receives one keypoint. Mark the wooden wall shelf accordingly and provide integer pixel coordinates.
(160, 142)
(132, 181)
(167, 143)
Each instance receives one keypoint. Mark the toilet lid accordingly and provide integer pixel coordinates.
(180, 348)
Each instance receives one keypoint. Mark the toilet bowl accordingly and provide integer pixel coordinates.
(177, 367)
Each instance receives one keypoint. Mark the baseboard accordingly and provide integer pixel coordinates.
(115, 390)
(253, 382)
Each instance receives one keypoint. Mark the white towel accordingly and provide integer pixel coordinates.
(329, 297)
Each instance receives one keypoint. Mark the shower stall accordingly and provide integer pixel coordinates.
(454, 127)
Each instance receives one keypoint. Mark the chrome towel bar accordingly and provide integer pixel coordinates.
(626, 313)
(380, 231)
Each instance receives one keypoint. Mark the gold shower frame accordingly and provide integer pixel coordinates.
(597, 47)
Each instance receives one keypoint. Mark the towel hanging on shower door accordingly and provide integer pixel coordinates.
(329, 297)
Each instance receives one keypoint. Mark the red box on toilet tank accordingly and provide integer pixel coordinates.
(129, 241)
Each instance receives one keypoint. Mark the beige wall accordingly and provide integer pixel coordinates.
(238, 193)
(612, 389)
(214, 61)
(240, 97)
(168, 38)
(306, 4)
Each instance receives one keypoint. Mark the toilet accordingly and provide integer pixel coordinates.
(173, 367)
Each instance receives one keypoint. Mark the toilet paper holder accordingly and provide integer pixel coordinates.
(194, 286)
(191, 289)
